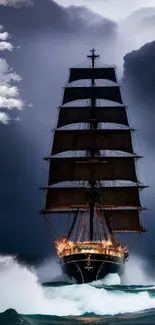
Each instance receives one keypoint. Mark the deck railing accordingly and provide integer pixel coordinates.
(66, 248)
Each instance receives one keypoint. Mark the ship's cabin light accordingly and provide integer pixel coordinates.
(66, 247)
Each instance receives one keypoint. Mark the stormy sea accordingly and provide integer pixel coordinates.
(25, 298)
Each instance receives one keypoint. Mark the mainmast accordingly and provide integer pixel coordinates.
(93, 125)
(119, 202)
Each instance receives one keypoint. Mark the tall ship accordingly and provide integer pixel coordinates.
(93, 189)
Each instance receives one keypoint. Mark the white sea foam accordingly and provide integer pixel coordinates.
(49, 270)
(135, 272)
(110, 279)
(20, 290)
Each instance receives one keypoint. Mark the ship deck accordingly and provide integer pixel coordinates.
(66, 248)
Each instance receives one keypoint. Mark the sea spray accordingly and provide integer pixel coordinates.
(19, 288)
(135, 272)
(100, 301)
(110, 279)
(50, 271)
(21, 291)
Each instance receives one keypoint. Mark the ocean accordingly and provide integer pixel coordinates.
(24, 300)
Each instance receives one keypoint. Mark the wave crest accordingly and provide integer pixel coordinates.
(21, 291)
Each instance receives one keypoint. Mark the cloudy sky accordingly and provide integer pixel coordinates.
(39, 41)
(112, 9)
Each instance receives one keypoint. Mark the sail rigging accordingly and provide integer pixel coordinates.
(92, 165)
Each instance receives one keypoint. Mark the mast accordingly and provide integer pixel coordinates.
(119, 203)
(93, 125)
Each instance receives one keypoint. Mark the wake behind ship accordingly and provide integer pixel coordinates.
(92, 185)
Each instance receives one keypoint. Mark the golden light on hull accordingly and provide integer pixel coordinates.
(66, 247)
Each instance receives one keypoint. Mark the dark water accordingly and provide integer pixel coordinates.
(24, 301)
(12, 317)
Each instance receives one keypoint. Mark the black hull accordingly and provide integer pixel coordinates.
(85, 268)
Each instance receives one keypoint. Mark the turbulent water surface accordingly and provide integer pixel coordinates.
(23, 300)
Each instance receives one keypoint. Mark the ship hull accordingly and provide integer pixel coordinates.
(85, 268)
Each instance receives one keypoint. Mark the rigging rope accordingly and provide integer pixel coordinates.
(69, 218)
(78, 227)
(83, 224)
(133, 240)
(49, 227)
(100, 219)
(73, 224)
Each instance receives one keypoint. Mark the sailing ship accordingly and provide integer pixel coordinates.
(92, 175)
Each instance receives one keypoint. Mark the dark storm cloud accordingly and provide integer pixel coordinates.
(93, 22)
(47, 34)
(139, 77)
(138, 82)
(52, 39)
(48, 16)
